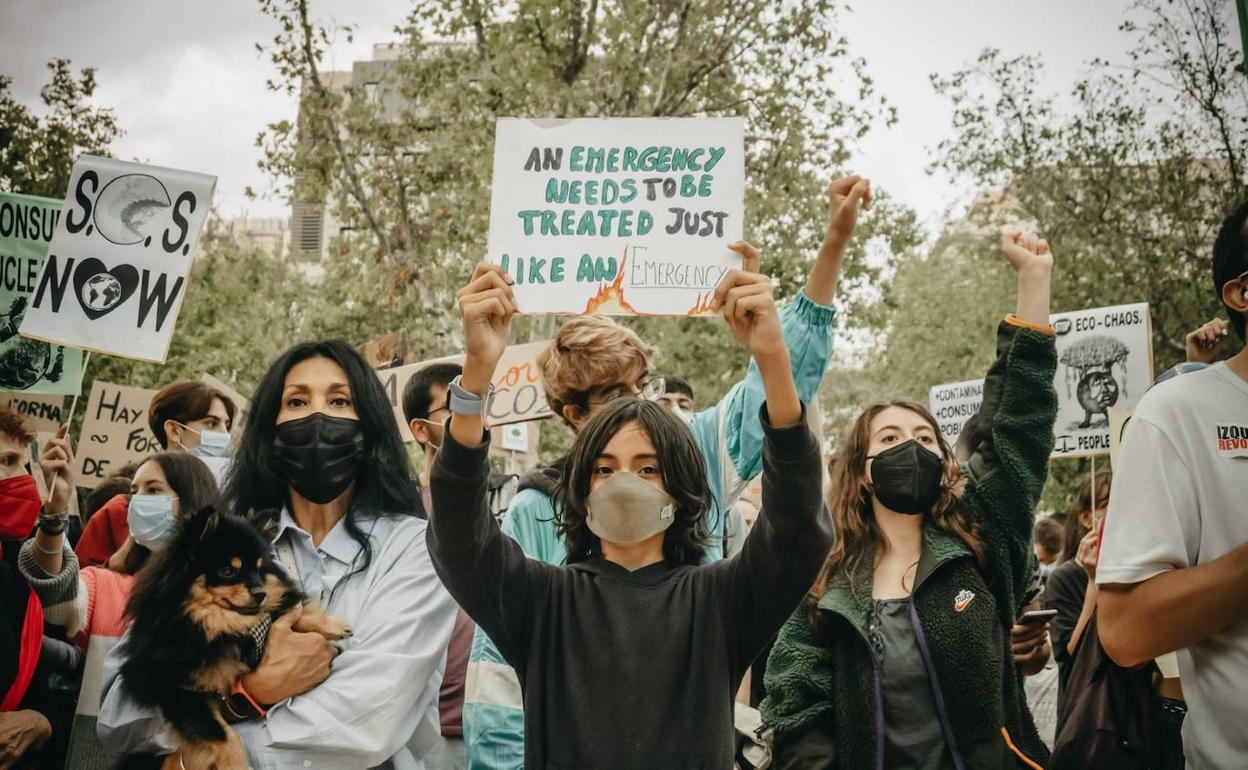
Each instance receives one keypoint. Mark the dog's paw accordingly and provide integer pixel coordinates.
(317, 622)
(335, 630)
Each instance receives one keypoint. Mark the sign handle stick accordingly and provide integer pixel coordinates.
(1094, 488)
(73, 405)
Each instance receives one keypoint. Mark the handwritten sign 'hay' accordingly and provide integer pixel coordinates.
(617, 216)
(114, 431)
(116, 270)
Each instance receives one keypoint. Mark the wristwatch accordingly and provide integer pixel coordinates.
(465, 402)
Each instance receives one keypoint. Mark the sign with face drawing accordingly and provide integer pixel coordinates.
(116, 270)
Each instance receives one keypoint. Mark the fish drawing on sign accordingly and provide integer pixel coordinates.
(127, 206)
(24, 362)
(1090, 363)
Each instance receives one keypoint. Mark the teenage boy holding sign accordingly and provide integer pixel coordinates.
(594, 361)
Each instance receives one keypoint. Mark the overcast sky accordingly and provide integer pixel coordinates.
(188, 85)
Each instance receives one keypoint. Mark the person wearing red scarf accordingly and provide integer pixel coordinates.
(24, 700)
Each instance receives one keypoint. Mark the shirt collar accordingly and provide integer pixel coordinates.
(338, 544)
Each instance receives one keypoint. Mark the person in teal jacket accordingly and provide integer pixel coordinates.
(591, 362)
(902, 655)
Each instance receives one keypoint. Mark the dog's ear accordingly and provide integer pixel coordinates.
(268, 523)
(200, 524)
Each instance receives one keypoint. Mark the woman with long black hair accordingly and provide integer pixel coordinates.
(321, 465)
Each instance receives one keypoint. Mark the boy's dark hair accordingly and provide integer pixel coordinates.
(684, 474)
(1230, 259)
(1048, 534)
(14, 426)
(417, 395)
(674, 384)
(184, 401)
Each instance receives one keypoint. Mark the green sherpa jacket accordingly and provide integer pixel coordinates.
(822, 677)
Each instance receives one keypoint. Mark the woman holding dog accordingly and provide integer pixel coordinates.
(92, 609)
(322, 466)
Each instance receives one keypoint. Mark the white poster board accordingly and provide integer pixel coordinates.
(518, 392)
(953, 404)
(116, 270)
(515, 437)
(1104, 364)
(617, 216)
(1104, 359)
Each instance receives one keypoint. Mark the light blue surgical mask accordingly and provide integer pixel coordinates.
(151, 520)
(212, 443)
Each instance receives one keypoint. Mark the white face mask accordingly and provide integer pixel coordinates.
(626, 509)
(212, 443)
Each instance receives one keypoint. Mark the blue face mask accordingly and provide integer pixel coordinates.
(212, 443)
(151, 520)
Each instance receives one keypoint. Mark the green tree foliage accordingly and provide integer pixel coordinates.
(407, 163)
(242, 309)
(38, 153)
(1128, 178)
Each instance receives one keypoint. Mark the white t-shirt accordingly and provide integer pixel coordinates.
(1180, 498)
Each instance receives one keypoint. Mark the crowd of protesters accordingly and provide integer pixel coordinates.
(901, 604)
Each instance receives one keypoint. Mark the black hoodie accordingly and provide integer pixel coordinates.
(625, 669)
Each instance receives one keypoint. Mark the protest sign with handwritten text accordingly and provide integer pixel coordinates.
(518, 392)
(617, 216)
(114, 431)
(41, 412)
(117, 267)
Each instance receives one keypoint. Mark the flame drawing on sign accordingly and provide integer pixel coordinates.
(610, 298)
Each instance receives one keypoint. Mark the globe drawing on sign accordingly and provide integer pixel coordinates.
(101, 292)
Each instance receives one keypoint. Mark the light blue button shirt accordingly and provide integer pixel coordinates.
(382, 691)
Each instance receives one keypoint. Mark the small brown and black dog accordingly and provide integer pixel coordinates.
(193, 612)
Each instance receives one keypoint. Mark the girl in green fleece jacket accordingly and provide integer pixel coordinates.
(901, 657)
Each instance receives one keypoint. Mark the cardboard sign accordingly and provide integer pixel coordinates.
(43, 413)
(27, 224)
(116, 270)
(1104, 359)
(1119, 419)
(114, 431)
(518, 392)
(954, 404)
(618, 216)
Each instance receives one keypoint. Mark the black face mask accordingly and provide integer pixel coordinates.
(319, 455)
(907, 478)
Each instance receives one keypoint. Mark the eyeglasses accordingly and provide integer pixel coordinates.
(652, 389)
